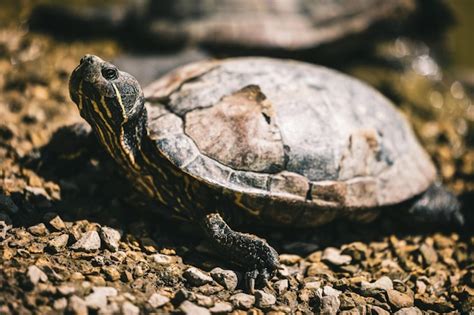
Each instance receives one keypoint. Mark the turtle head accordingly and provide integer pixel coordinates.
(112, 102)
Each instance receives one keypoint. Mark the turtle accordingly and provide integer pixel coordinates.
(264, 141)
(284, 25)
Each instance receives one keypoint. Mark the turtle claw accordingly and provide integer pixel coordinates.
(259, 278)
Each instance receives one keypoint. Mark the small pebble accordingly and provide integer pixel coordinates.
(130, 309)
(38, 229)
(329, 304)
(409, 311)
(36, 275)
(242, 300)
(190, 308)
(77, 306)
(157, 300)
(226, 278)
(90, 241)
(333, 256)
(399, 300)
(55, 222)
(263, 299)
(58, 243)
(196, 276)
(110, 237)
(221, 308)
(163, 259)
(60, 304)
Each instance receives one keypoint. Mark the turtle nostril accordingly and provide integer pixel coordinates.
(86, 58)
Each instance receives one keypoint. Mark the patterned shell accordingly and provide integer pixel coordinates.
(286, 130)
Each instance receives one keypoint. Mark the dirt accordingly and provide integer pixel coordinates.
(75, 237)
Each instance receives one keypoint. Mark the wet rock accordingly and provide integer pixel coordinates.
(55, 222)
(58, 243)
(409, 311)
(130, 309)
(110, 237)
(90, 241)
(399, 300)
(190, 308)
(263, 299)
(38, 229)
(77, 306)
(221, 308)
(157, 300)
(196, 276)
(242, 300)
(333, 256)
(226, 278)
(36, 275)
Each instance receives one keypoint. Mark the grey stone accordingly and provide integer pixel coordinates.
(90, 241)
(221, 308)
(227, 278)
(190, 308)
(157, 300)
(110, 237)
(58, 243)
(36, 275)
(196, 276)
(333, 256)
(263, 299)
(242, 300)
(77, 306)
(130, 309)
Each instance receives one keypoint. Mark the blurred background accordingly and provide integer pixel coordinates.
(419, 53)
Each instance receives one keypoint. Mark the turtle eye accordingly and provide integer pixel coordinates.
(110, 73)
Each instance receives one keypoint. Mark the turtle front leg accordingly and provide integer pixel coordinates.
(246, 250)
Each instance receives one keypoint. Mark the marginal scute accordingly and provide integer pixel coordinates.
(179, 149)
(249, 180)
(162, 123)
(162, 88)
(289, 183)
(240, 131)
(208, 169)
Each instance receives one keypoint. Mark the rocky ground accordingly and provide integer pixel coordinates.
(75, 238)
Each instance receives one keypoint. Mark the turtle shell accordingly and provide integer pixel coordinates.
(284, 130)
(288, 25)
